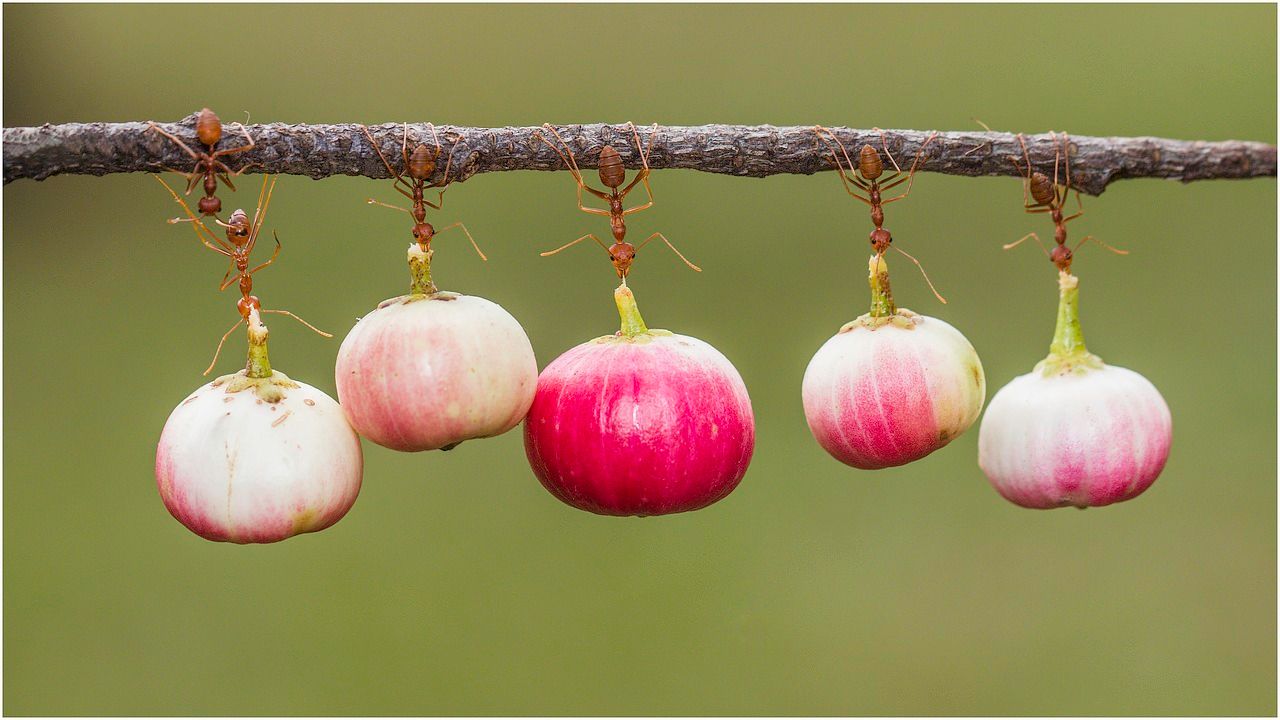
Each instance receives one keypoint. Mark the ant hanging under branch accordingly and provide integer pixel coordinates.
(866, 181)
(612, 176)
(242, 235)
(1049, 197)
(208, 165)
(420, 166)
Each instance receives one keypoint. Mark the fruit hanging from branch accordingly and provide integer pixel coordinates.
(891, 386)
(431, 369)
(641, 422)
(1074, 432)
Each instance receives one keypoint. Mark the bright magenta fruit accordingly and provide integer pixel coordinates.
(644, 422)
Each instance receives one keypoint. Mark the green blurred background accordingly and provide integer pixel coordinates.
(457, 584)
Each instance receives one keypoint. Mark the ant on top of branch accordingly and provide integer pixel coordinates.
(612, 176)
(419, 166)
(242, 235)
(208, 165)
(1049, 197)
(868, 177)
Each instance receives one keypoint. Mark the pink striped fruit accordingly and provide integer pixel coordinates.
(1074, 431)
(645, 422)
(256, 457)
(428, 370)
(892, 386)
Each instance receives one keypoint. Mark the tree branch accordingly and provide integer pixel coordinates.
(319, 151)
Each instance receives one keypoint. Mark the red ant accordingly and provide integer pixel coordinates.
(612, 176)
(208, 166)
(242, 235)
(420, 166)
(866, 176)
(1049, 197)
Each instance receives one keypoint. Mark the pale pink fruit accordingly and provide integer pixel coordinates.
(1074, 431)
(256, 457)
(892, 386)
(645, 422)
(426, 371)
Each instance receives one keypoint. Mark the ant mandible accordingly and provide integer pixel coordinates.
(612, 176)
(242, 235)
(208, 167)
(867, 177)
(420, 166)
(1049, 197)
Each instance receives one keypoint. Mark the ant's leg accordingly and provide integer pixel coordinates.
(234, 150)
(218, 245)
(1087, 238)
(220, 343)
(835, 159)
(911, 175)
(673, 249)
(468, 233)
(274, 255)
(371, 201)
(304, 322)
(398, 178)
(922, 272)
(566, 246)
(174, 138)
(570, 162)
(1020, 240)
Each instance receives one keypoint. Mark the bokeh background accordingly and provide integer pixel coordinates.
(457, 584)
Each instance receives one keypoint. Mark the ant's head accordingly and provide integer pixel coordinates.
(208, 127)
(880, 240)
(1042, 188)
(422, 234)
(1061, 256)
(247, 303)
(612, 174)
(238, 228)
(870, 166)
(622, 253)
(210, 205)
(422, 163)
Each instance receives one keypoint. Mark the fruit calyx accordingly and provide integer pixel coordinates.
(442, 295)
(267, 384)
(1067, 352)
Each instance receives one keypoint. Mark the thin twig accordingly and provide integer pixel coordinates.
(320, 151)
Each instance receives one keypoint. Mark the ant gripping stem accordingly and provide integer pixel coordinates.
(865, 181)
(419, 166)
(1048, 196)
(241, 237)
(612, 176)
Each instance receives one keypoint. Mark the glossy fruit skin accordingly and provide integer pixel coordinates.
(233, 467)
(883, 394)
(425, 372)
(1088, 438)
(652, 425)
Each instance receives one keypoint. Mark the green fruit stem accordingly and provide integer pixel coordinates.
(420, 270)
(632, 323)
(258, 366)
(1067, 353)
(881, 297)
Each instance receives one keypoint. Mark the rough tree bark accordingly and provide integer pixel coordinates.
(319, 151)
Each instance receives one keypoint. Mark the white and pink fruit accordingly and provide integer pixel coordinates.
(431, 369)
(644, 422)
(892, 386)
(256, 457)
(1074, 431)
